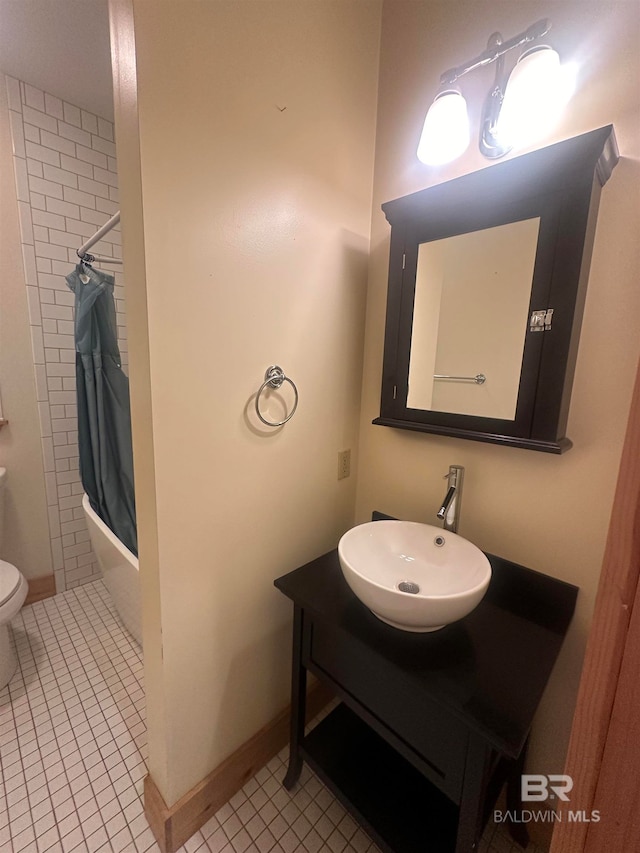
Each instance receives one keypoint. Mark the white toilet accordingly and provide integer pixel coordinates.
(13, 591)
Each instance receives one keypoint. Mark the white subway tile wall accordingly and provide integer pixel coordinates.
(67, 186)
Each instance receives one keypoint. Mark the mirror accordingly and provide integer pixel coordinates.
(469, 320)
(487, 280)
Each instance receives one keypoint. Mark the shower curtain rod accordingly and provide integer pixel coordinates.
(83, 251)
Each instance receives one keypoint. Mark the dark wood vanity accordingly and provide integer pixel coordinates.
(430, 726)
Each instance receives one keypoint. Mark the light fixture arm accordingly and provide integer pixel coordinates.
(490, 146)
(496, 51)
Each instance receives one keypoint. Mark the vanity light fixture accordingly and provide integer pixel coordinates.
(445, 135)
(519, 107)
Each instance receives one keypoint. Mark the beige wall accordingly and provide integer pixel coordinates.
(26, 527)
(249, 204)
(547, 512)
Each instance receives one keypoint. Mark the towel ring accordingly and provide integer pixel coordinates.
(274, 377)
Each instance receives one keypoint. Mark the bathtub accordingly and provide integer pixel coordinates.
(119, 569)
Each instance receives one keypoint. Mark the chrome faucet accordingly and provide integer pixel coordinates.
(449, 512)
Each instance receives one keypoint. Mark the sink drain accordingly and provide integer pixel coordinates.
(409, 586)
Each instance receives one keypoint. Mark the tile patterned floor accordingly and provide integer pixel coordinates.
(73, 749)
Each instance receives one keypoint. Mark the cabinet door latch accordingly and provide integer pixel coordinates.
(541, 320)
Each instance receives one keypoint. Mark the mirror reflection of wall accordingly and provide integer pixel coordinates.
(470, 317)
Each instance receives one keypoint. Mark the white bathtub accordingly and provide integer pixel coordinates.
(119, 569)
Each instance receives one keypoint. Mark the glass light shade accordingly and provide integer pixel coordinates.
(537, 91)
(445, 134)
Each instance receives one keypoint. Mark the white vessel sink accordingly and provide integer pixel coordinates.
(413, 576)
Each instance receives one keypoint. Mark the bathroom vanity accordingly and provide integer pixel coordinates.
(430, 726)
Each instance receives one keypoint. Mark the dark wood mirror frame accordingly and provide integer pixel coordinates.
(561, 184)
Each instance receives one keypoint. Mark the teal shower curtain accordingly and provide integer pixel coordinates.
(104, 416)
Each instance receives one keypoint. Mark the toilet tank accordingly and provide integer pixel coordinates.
(3, 481)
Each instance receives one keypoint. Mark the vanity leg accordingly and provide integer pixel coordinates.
(518, 831)
(298, 702)
(474, 787)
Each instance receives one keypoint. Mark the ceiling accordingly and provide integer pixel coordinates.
(62, 47)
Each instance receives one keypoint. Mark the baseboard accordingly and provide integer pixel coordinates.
(173, 826)
(40, 588)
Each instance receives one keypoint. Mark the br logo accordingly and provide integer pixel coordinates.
(536, 787)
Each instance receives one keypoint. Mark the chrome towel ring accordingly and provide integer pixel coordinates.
(274, 377)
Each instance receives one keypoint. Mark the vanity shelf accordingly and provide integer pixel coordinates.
(355, 764)
(430, 726)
